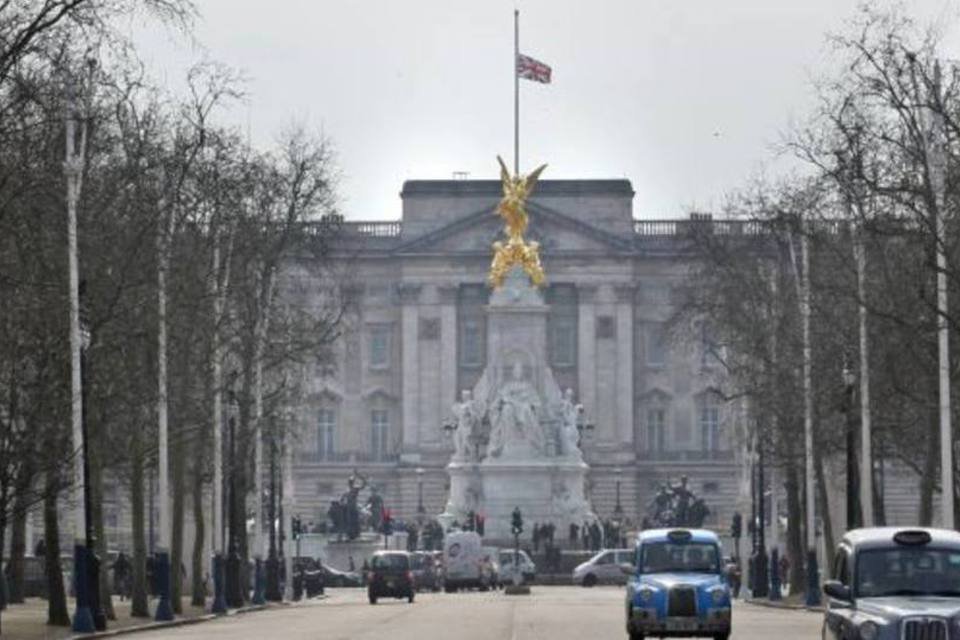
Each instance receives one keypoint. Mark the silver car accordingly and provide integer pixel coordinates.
(603, 568)
(894, 584)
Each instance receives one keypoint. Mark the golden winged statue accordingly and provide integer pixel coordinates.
(516, 251)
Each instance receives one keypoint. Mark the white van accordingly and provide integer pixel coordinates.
(463, 561)
(604, 568)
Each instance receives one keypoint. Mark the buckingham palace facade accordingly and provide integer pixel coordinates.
(415, 336)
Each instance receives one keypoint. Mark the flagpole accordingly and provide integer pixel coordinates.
(516, 92)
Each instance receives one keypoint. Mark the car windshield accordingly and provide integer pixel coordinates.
(666, 557)
(395, 561)
(908, 571)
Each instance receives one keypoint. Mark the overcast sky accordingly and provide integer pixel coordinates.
(686, 98)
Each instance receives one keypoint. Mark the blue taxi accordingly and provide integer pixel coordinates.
(677, 586)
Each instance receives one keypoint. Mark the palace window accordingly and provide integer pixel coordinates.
(710, 425)
(379, 434)
(380, 347)
(471, 343)
(471, 325)
(562, 325)
(326, 425)
(656, 429)
(656, 345)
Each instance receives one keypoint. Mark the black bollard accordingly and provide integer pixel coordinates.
(82, 618)
(813, 580)
(273, 579)
(93, 590)
(259, 584)
(234, 590)
(219, 604)
(161, 568)
(761, 584)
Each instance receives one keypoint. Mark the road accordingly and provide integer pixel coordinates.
(550, 613)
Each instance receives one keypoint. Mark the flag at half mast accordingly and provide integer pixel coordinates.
(531, 69)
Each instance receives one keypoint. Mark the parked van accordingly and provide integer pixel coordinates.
(463, 560)
(604, 568)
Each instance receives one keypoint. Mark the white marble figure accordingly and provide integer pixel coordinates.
(569, 435)
(466, 417)
(514, 417)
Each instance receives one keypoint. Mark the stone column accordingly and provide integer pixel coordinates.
(587, 350)
(408, 295)
(448, 352)
(624, 320)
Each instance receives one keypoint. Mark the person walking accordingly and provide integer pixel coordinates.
(121, 576)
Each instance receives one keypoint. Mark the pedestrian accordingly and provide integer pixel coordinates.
(121, 575)
(736, 577)
(353, 566)
(536, 537)
(784, 569)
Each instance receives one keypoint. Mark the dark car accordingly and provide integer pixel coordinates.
(390, 576)
(425, 571)
(894, 584)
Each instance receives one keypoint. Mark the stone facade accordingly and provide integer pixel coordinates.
(418, 335)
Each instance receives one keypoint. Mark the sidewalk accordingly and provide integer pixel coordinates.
(28, 621)
(794, 602)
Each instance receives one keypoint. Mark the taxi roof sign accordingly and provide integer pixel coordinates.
(679, 535)
(913, 537)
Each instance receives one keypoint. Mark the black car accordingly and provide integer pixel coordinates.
(390, 576)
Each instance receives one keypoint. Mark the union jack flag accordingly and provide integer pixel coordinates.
(530, 69)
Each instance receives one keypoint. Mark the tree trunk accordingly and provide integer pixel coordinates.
(18, 548)
(795, 552)
(57, 613)
(931, 464)
(198, 592)
(823, 497)
(138, 599)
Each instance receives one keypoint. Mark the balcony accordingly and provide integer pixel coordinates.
(693, 455)
(347, 457)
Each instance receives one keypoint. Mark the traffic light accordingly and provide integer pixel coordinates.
(296, 526)
(516, 522)
(736, 527)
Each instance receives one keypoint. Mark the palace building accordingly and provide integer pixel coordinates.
(416, 336)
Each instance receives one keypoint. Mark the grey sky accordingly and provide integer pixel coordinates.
(683, 97)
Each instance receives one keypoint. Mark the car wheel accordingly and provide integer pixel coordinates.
(722, 636)
(590, 580)
(448, 589)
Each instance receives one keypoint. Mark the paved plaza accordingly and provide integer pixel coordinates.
(554, 613)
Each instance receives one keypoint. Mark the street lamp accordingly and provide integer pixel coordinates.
(853, 507)
(421, 511)
(234, 587)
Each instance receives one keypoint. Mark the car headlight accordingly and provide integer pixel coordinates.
(718, 595)
(869, 631)
(646, 594)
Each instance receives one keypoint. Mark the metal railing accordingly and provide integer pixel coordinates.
(374, 229)
(691, 455)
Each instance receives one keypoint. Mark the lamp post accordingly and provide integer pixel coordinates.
(853, 506)
(761, 583)
(618, 508)
(421, 510)
(234, 588)
(273, 561)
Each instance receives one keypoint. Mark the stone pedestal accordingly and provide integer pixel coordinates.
(524, 425)
(545, 490)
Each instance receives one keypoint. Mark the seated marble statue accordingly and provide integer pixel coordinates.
(514, 417)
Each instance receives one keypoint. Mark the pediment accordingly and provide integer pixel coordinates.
(556, 232)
